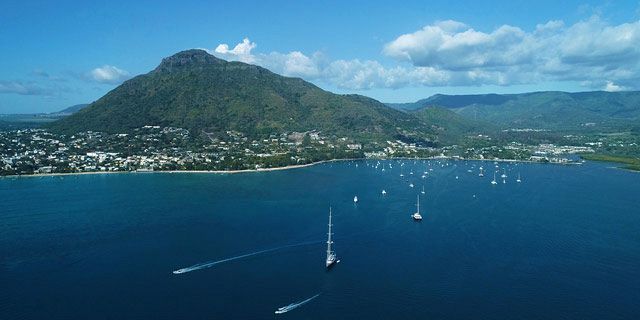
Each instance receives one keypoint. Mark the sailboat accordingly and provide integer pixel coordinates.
(481, 174)
(331, 256)
(355, 199)
(417, 216)
(504, 173)
(494, 179)
(519, 180)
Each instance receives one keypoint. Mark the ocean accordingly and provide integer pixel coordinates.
(562, 244)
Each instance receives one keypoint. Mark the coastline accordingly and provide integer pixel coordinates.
(296, 166)
(62, 174)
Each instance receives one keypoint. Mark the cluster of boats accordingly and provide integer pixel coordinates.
(416, 216)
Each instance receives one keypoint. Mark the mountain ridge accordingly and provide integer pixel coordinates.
(555, 110)
(195, 90)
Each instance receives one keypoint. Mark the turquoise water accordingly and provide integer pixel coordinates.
(563, 244)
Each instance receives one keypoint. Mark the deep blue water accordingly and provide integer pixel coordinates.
(563, 244)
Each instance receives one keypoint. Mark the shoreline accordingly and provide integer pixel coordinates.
(296, 166)
(62, 174)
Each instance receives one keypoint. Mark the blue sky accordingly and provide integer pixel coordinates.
(60, 53)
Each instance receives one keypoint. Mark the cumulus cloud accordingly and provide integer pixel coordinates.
(451, 53)
(241, 52)
(612, 87)
(22, 88)
(586, 51)
(108, 74)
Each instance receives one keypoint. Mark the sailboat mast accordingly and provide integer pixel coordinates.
(329, 242)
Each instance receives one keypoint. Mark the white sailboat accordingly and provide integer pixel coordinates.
(355, 199)
(494, 182)
(331, 256)
(417, 216)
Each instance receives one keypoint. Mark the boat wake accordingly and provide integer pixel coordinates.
(205, 265)
(294, 305)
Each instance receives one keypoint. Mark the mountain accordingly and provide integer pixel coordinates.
(449, 125)
(34, 120)
(70, 110)
(543, 110)
(195, 90)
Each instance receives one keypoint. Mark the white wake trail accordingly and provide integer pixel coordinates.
(294, 305)
(205, 265)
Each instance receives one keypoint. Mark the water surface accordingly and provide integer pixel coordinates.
(563, 244)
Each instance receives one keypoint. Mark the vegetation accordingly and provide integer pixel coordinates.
(631, 163)
(199, 92)
(450, 126)
(583, 111)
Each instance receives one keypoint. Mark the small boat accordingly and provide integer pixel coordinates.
(384, 192)
(417, 216)
(422, 190)
(411, 185)
(518, 180)
(331, 256)
(504, 173)
(481, 174)
(493, 182)
(355, 199)
(456, 177)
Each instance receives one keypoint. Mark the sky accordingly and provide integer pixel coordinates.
(55, 54)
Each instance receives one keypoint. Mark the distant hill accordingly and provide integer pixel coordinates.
(34, 120)
(70, 110)
(451, 126)
(544, 110)
(195, 90)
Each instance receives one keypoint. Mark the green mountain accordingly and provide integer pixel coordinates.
(554, 110)
(70, 110)
(195, 90)
(449, 125)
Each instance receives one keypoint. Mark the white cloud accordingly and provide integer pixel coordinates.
(587, 51)
(451, 53)
(241, 52)
(109, 74)
(612, 87)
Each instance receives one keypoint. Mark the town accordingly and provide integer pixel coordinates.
(155, 148)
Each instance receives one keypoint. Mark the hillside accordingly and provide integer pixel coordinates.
(554, 110)
(450, 126)
(195, 90)
(70, 110)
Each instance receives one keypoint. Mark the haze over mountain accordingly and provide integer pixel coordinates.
(195, 90)
(543, 110)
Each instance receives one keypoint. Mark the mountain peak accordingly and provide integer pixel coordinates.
(192, 57)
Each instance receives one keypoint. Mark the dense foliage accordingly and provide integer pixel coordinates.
(582, 111)
(202, 93)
